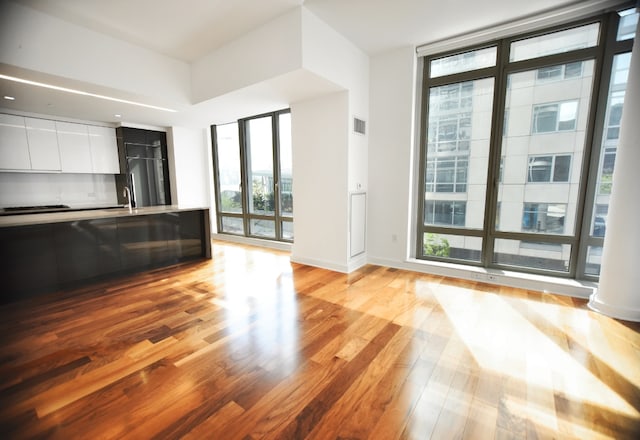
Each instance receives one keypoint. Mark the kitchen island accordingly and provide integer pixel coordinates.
(51, 251)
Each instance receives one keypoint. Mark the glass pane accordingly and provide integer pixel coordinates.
(260, 158)
(228, 149)
(287, 230)
(286, 165)
(557, 42)
(459, 247)
(535, 255)
(263, 228)
(613, 114)
(232, 225)
(457, 153)
(463, 62)
(594, 257)
(627, 25)
(543, 149)
(543, 217)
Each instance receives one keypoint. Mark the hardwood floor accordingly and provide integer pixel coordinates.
(250, 346)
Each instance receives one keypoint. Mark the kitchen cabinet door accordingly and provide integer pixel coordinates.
(75, 150)
(14, 149)
(43, 144)
(104, 150)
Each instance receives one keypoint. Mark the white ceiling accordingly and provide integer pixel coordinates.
(188, 29)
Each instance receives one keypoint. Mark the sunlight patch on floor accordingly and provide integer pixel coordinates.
(502, 340)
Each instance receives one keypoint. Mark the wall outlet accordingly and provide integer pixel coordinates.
(394, 238)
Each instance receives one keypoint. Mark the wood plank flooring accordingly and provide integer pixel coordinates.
(251, 346)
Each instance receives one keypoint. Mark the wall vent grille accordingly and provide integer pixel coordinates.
(359, 126)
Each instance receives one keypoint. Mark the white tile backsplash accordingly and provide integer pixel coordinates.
(74, 190)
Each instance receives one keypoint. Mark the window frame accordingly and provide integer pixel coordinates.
(579, 242)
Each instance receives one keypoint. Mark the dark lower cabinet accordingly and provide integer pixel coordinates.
(43, 258)
(29, 261)
(86, 249)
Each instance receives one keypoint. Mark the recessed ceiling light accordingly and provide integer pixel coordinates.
(81, 92)
(9, 98)
(118, 116)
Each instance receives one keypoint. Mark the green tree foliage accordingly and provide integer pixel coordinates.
(435, 246)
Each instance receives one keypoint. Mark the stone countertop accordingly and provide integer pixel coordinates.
(70, 216)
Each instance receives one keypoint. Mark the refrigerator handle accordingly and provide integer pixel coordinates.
(133, 189)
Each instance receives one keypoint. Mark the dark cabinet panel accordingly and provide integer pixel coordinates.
(77, 251)
(29, 261)
(191, 231)
(86, 249)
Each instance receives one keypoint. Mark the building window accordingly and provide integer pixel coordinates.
(549, 168)
(447, 174)
(549, 118)
(450, 133)
(543, 217)
(445, 212)
(615, 115)
(559, 72)
(606, 172)
(600, 220)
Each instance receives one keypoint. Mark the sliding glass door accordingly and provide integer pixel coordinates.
(252, 165)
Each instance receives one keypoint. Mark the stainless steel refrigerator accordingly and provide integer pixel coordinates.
(146, 167)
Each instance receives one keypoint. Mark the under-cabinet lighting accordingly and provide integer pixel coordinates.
(83, 93)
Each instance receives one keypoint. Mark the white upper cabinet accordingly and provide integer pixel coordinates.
(14, 149)
(75, 152)
(43, 144)
(104, 150)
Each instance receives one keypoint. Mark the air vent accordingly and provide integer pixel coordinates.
(359, 126)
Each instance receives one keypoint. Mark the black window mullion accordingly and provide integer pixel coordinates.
(495, 147)
(275, 148)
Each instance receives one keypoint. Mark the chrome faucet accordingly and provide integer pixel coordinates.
(127, 194)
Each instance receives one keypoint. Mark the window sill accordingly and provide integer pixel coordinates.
(542, 283)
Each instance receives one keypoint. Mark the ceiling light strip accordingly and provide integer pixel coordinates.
(532, 23)
(83, 93)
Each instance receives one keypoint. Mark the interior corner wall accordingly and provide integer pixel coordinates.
(319, 135)
(267, 52)
(391, 150)
(189, 166)
(39, 42)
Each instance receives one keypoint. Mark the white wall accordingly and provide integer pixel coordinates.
(319, 137)
(269, 51)
(390, 155)
(189, 166)
(32, 40)
(74, 190)
(332, 56)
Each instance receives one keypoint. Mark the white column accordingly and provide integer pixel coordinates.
(618, 294)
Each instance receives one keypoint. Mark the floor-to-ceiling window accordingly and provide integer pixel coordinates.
(253, 176)
(518, 148)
